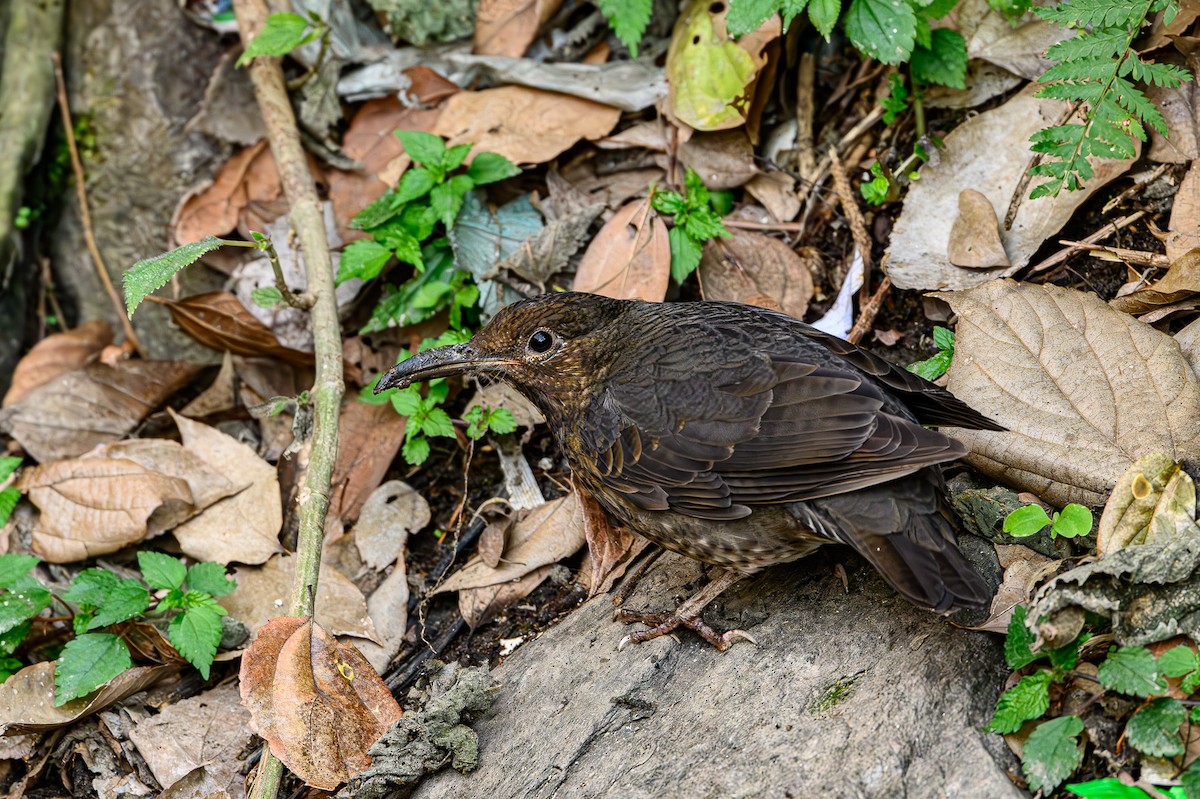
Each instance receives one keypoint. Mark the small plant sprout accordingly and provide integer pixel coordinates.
(1071, 522)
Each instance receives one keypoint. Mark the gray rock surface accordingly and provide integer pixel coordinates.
(848, 695)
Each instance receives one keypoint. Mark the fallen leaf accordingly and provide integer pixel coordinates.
(975, 235)
(611, 548)
(508, 27)
(992, 37)
(1180, 111)
(1153, 501)
(390, 514)
(202, 783)
(480, 605)
(243, 528)
(369, 436)
(57, 355)
(485, 235)
(1023, 570)
(262, 593)
(1184, 229)
(1083, 389)
(74, 412)
(652, 135)
(548, 534)
(723, 160)
(711, 77)
(27, 697)
(427, 86)
(757, 270)
(220, 395)
(1189, 342)
(388, 610)
(917, 252)
(215, 210)
(777, 193)
(494, 538)
(318, 703)
(211, 729)
(220, 322)
(547, 252)
(1181, 282)
(526, 126)
(95, 506)
(630, 258)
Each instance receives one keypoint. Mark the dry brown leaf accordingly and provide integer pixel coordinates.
(549, 533)
(428, 86)
(56, 355)
(219, 321)
(243, 528)
(526, 126)
(390, 514)
(220, 395)
(975, 235)
(211, 729)
(74, 412)
(214, 211)
(1084, 389)
(318, 703)
(1184, 232)
(610, 548)
(263, 590)
(612, 189)
(1189, 342)
(1023, 570)
(1181, 282)
(508, 27)
(1020, 49)
(723, 160)
(630, 258)
(1179, 107)
(1153, 501)
(494, 537)
(388, 609)
(27, 697)
(481, 605)
(652, 135)
(757, 270)
(95, 506)
(777, 193)
(369, 436)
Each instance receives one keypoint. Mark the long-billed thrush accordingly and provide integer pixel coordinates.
(734, 435)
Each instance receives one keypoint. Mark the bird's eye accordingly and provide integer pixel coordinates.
(541, 342)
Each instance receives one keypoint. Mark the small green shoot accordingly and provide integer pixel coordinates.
(10, 495)
(1071, 522)
(696, 221)
(482, 419)
(283, 33)
(934, 367)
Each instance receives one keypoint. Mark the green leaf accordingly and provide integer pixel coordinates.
(86, 663)
(13, 567)
(124, 601)
(746, 15)
(628, 19)
(415, 450)
(1190, 780)
(266, 296)
(934, 366)
(281, 34)
(1178, 661)
(24, 599)
(90, 587)
(703, 224)
(8, 465)
(363, 259)
(943, 338)
(455, 156)
(883, 29)
(1154, 728)
(1064, 658)
(1107, 788)
(685, 254)
(397, 236)
(150, 274)
(9, 498)
(1026, 521)
(1026, 700)
(1052, 752)
(407, 401)
(501, 421)
(1131, 670)
(1018, 642)
(437, 423)
(667, 202)
(414, 184)
(490, 168)
(447, 198)
(195, 634)
(10, 640)
(425, 148)
(209, 578)
(9, 667)
(1074, 520)
(824, 15)
(161, 571)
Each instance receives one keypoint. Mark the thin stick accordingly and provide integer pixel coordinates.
(1104, 232)
(742, 224)
(868, 312)
(1139, 257)
(858, 225)
(85, 214)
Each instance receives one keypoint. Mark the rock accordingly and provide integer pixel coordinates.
(848, 695)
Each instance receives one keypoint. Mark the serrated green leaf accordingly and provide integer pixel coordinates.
(24, 598)
(1107, 788)
(414, 184)
(1154, 728)
(746, 15)
(266, 296)
(415, 450)
(824, 15)
(1064, 658)
(490, 168)
(195, 634)
(397, 237)
(90, 587)
(1131, 670)
(1052, 752)
(883, 29)
(447, 199)
(1018, 642)
(1026, 521)
(9, 667)
(943, 338)
(932, 367)
(703, 224)
(789, 10)
(438, 423)
(1178, 661)
(86, 663)
(667, 202)
(1190, 779)
(209, 578)
(150, 274)
(11, 639)
(161, 571)
(425, 148)
(281, 34)
(363, 259)
(125, 600)
(13, 567)
(1072, 521)
(628, 19)
(501, 421)
(685, 254)
(944, 61)
(8, 465)
(455, 156)
(407, 401)
(1028, 699)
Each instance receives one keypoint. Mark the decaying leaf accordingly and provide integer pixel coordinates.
(1181, 282)
(1184, 233)
(244, 527)
(610, 548)
(975, 235)
(757, 270)
(1153, 501)
(711, 76)
(723, 160)
(630, 258)
(369, 436)
(94, 506)
(393, 510)
(316, 701)
(220, 395)
(1023, 570)
(547, 252)
(27, 697)
(508, 27)
(777, 193)
(219, 321)
(248, 177)
(56, 355)
(1084, 390)
(388, 610)
(481, 605)
(74, 412)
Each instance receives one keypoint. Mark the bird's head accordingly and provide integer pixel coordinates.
(550, 348)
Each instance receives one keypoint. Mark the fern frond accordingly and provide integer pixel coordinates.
(1095, 13)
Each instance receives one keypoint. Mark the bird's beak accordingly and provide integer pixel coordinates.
(445, 361)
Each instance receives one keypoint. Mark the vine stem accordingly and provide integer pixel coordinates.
(308, 221)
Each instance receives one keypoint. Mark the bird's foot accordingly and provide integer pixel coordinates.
(662, 622)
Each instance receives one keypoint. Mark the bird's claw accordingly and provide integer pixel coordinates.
(662, 622)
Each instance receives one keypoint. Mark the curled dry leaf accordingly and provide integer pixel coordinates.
(630, 258)
(318, 703)
(1153, 501)
(777, 193)
(481, 605)
(393, 510)
(1084, 390)
(610, 548)
(757, 270)
(1179, 107)
(74, 412)
(526, 126)
(219, 321)
(1181, 282)
(27, 697)
(244, 527)
(975, 235)
(549, 533)
(369, 436)
(508, 27)
(547, 252)
(94, 506)
(1184, 231)
(56, 355)
(220, 396)
(723, 160)
(1023, 570)
(250, 176)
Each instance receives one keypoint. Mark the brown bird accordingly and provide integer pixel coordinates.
(734, 435)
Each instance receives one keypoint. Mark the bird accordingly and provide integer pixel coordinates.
(735, 435)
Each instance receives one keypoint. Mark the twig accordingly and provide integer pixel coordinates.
(304, 300)
(1104, 232)
(858, 226)
(742, 224)
(308, 222)
(1139, 257)
(868, 311)
(85, 213)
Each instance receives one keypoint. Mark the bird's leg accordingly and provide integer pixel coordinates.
(630, 582)
(686, 615)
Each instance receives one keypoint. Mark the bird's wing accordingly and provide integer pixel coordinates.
(767, 429)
